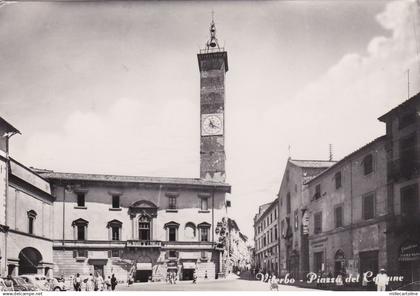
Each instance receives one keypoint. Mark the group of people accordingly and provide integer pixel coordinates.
(95, 283)
(171, 277)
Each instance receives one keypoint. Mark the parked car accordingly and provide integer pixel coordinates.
(57, 284)
(6, 285)
(19, 284)
(37, 280)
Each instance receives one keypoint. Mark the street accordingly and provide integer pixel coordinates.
(208, 285)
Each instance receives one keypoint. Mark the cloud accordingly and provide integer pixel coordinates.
(341, 107)
(124, 139)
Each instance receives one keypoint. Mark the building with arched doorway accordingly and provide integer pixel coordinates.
(137, 227)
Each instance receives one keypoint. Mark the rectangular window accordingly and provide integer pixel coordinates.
(368, 206)
(408, 156)
(82, 253)
(80, 199)
(368, 164)
(172, 234)
(115, 253)
(338, 216)
(172, 202)
(115, 201)
(204, 204)
(172, 254)
(337, 178)
(204, 234)
(288, 202)
(275, 232)
(409, 200)
(296, 220)
(81, 235)
(317, 191)
(115, 233)
(31, 225)
(264, 241)
(318, 222)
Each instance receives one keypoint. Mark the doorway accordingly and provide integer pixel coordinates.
(187, 274)
(369, 262)
(98, 270)
(143, 276)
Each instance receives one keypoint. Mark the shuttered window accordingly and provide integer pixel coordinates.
(318, 222)
(368, 206)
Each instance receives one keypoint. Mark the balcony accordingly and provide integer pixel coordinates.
(144, 244)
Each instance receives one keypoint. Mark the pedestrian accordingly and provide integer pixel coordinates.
(113, 282)
(108, 283)
(381, 280)
(77, 283)
(100, 283)
(194, 277)
(90, 284)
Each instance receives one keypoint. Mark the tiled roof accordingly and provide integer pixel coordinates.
(51, 175)
(312, 163)
(345, 158)
(9, 127)
(403, 104)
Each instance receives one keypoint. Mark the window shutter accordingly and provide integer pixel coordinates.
(74, 253)
(166, 255)
(109, 254)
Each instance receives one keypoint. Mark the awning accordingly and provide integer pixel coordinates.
(144, 266)
(188, 265)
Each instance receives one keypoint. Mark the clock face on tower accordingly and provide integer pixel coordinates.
(212, 124)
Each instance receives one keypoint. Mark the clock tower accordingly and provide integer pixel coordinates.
(213, 65)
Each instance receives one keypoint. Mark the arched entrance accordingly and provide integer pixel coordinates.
(29, 259)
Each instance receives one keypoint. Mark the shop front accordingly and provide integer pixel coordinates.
(188, 269)
(409, 261)
(143, 272)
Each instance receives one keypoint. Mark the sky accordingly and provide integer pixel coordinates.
(113, 87)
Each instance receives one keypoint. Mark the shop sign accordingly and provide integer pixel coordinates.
(409, 251)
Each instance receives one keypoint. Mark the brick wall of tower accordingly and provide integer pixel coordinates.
(213, 67)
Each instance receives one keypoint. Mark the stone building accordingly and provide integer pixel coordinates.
(26, 214)
(239, 255)
(403, 155)
(139, 226)
(292, 245)
(266, 237)
(346, 207)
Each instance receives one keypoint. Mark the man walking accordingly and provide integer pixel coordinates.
(381, 280)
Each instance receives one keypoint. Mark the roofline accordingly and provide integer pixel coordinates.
(266, 210)
(216, 186)
(400, 106)
(289, 160)
(373, 142)
(10, 126)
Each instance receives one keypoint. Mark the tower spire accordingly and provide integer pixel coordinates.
(212, 42)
